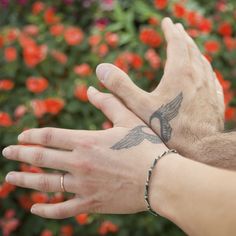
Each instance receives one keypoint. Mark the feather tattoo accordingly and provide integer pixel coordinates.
(135, 137)
(165, 114)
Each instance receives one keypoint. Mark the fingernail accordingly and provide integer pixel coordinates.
(21, 137)
(92, 90)
(33, 209)
(10, 177)
(6, 152)
(102, 72)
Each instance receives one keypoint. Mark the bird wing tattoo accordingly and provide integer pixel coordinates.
(134, 138)
(165, 114)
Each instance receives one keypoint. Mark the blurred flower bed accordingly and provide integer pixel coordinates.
(48, 53)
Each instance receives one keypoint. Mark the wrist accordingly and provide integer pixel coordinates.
(161, 194)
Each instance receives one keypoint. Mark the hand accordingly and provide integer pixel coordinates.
(188, 103)
(106, 170)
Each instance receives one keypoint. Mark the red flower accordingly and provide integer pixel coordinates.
(57, 30)
(36, 84)
(94, 40)
(6, 189)
(160, 4)
(37, 7)
(73, 35)
(58, 197)
(136, 61)
(46, 232)
(153, 21)
(54, 105)
(82, 219)
(29, 168)
(20, 111)
(12, 35)
(225, 29)
(112, 39)
(9, 223)
(67, 230)
(50, 16)
(39, 107)
(5, 120)
(103, 50)
(25, 201)
(81, 92)
(212, 46)
(10, 54)
(59, 56)
(6, 84)
(34, 54)
(1, 41)
(32, 30)
(193, 18)
(107, 227)
(83, 70)
(229, 113)
(107, 125)
(205, 25)
(38, 197)
(230, 43)
(153, 58)
(150, 37)
(179, 10)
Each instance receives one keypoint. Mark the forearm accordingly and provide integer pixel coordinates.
(198, 198)
(217, 150)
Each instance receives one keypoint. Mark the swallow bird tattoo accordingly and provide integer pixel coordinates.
(135, 137)
(165, 114)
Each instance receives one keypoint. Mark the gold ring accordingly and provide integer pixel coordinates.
(62, 183)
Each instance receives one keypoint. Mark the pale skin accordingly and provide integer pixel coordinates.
(194, 122)
(98, 164)
(198, 198)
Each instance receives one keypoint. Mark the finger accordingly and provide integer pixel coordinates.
(194, 53)
(62, 210)
(112, 108)
(52, 137)
(177, 51)
(45, 182)
(40, 156)
(119, 83)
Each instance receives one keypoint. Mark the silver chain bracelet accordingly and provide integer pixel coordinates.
(146, 194)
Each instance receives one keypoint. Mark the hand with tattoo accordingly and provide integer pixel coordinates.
(188, 104)
(106, 170)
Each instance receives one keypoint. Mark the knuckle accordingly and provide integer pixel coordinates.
(44, 184)
(117, 83)
(17, 153)
(21, 180)
(85, 166)
(87, 143)
(38, 157)
(46, 137)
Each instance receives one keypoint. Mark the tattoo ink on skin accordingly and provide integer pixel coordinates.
(135, 137)
(165, 114)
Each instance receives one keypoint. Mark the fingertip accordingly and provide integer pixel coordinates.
(92, 95)
(102, 71)
(167, 20)
(34, 209)
(91, 91)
